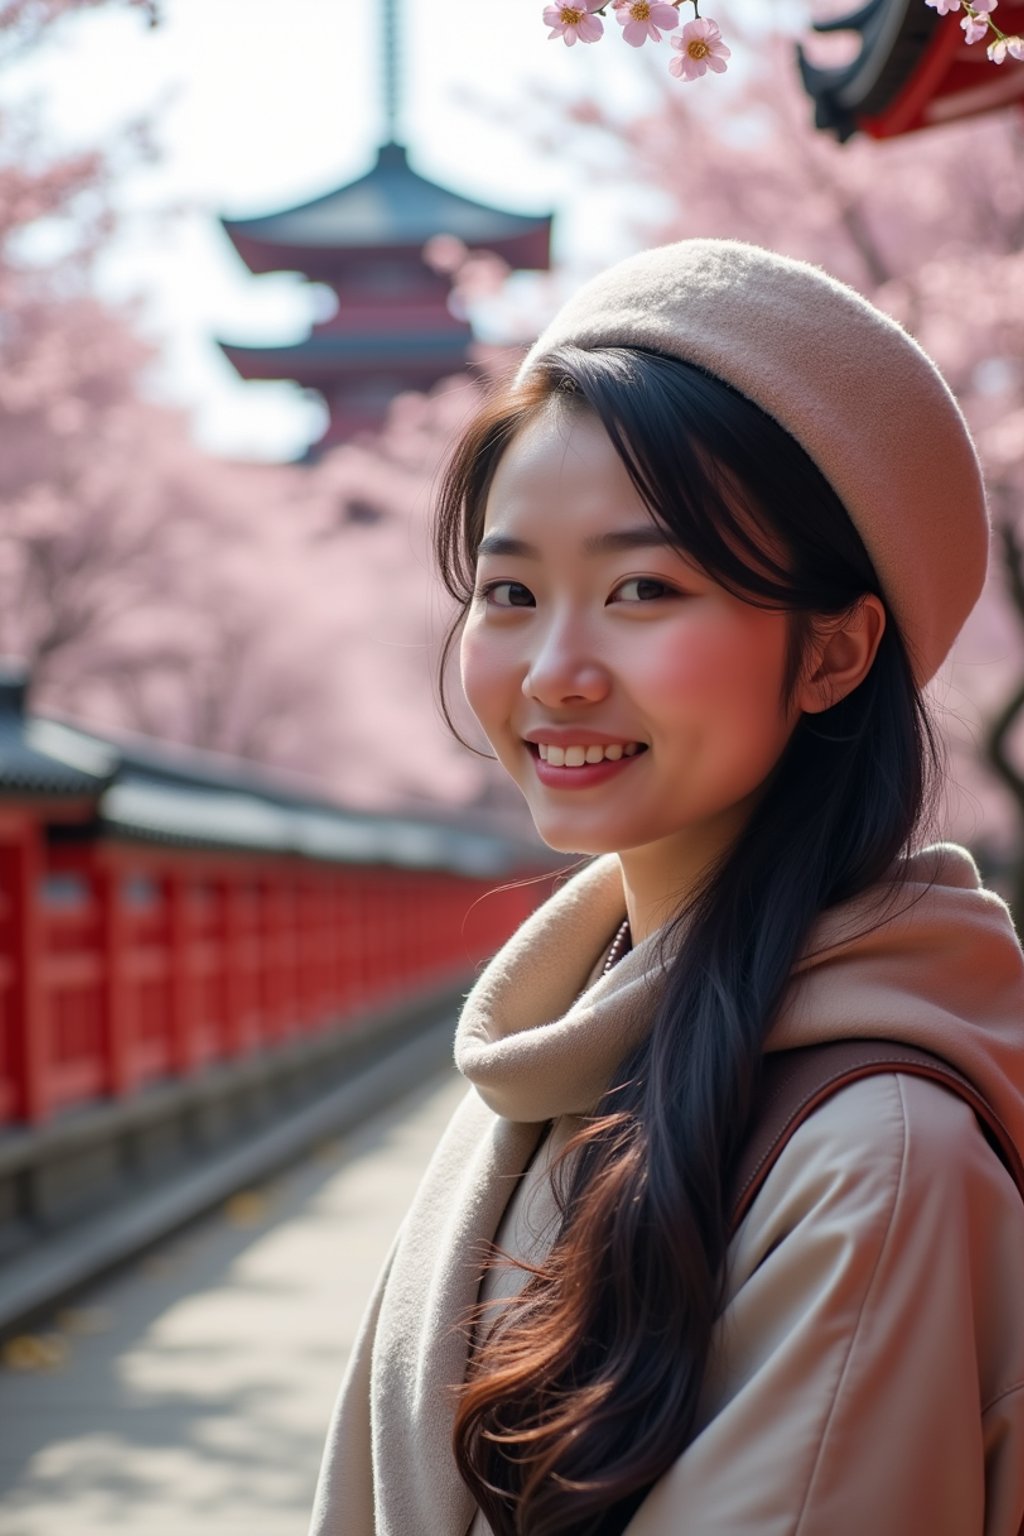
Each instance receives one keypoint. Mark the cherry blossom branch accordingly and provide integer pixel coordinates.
(978, 24)
(699, 42)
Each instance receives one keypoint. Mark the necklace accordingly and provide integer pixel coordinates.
(621, 945)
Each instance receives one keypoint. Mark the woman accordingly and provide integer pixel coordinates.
(709, 546)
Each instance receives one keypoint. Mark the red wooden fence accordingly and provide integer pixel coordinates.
(123, 964)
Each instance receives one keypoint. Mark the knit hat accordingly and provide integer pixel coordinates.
(859, 395)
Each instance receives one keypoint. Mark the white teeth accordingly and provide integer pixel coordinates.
(576, 757)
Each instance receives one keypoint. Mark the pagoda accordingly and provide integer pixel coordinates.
(392, 330)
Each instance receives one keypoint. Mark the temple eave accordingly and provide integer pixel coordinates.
(914, 73)
(314, 368)
(528, 250)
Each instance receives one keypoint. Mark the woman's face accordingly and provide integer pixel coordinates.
(634, 701)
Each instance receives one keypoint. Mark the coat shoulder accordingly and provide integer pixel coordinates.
(887, 1134)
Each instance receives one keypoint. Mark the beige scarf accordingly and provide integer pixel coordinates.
(934, 962)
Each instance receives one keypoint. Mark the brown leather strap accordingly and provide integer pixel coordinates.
(795, 1083)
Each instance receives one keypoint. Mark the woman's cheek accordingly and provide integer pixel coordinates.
(469, 667)
(687, 670)
(717, 691)
(484, 675)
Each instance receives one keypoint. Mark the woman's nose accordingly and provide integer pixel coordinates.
(564, 670)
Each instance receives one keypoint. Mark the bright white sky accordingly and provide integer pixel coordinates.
(261, 104)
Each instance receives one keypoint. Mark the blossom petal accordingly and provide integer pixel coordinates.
(574, 23)
(974, 28)
(1014, 46)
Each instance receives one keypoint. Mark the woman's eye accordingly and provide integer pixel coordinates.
(507, 594)
(643, 589)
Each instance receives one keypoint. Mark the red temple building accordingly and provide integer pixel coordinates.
(392, 329)
(910, 69)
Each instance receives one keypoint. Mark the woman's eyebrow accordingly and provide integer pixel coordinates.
(502, 544)
(646, 536)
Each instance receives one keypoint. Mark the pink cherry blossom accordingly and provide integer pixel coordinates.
(975, 28)
(700, 49)
(444, 253)
(574, 23)
(641, 19)
(944, 7)
(1014, 46)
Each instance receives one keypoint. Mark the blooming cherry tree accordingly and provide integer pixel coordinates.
(280, 612)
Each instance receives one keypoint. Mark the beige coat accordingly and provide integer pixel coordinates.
(868, 1368)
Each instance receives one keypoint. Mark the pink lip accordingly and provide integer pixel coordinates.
(574, 736)
(581, 778)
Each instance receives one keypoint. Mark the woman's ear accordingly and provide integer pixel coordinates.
(842, 654)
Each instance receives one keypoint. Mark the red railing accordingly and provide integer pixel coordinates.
(123, 965)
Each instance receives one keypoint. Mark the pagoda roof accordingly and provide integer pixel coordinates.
(392, 207)
(332, 356)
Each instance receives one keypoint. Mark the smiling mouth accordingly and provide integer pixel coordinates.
(584, 756)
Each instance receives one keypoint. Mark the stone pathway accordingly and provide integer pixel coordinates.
(189, 1394)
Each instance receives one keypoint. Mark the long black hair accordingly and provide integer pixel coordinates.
(585, 1390)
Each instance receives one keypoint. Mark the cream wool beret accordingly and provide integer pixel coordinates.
(859, 395)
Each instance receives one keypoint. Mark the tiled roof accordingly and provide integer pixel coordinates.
(391, 205)
(199, 816)
(40, 757)
(328, 356)
(151, 791)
